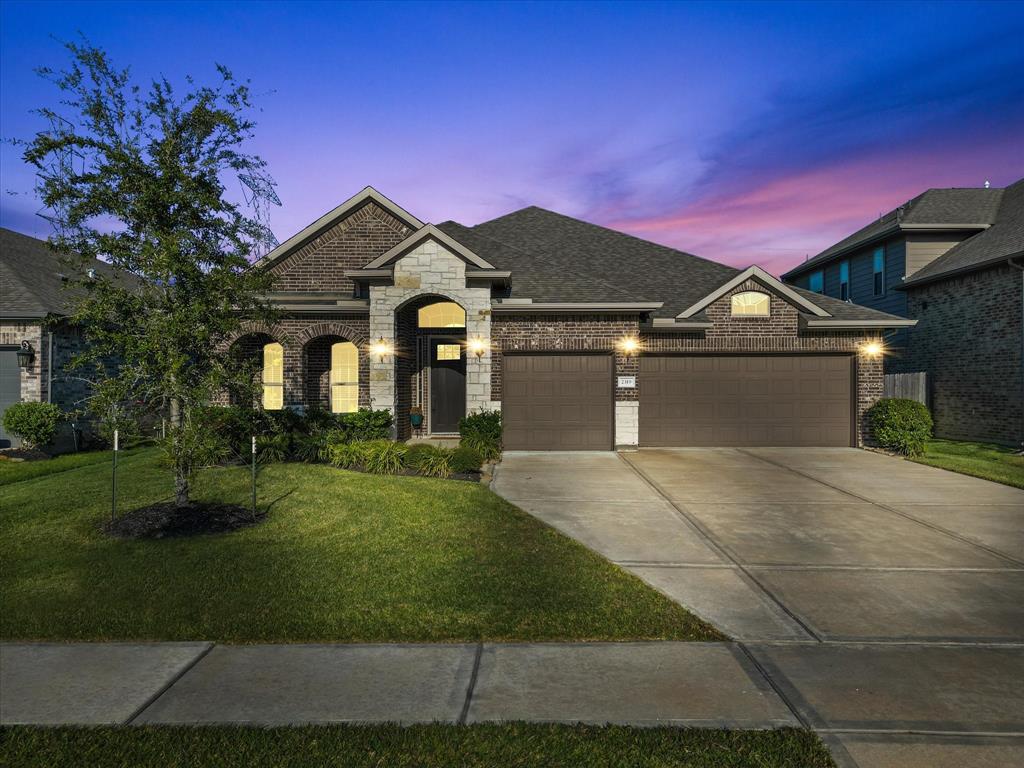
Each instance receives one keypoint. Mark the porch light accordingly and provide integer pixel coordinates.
(872, 349)
(25, 355)
(380, 348)
(629, 345)
(477, 346)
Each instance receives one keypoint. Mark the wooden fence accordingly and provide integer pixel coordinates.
(912, 386)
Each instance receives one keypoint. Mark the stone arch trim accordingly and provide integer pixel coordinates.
(316, 330)
(430, 297)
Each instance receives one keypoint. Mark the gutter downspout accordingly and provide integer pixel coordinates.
(1020, 266)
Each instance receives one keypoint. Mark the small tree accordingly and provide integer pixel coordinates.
(138, 178)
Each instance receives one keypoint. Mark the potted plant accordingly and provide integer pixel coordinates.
(416, 417)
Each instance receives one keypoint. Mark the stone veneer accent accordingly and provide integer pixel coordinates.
(968, 340)
(429, 269)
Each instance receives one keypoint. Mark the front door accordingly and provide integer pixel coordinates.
(447, 385)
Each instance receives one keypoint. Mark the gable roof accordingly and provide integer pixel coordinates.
(556, 258)
(33, 278)
(963, 209)
(1003, 240)
(429, 231)
(758, 274)
(332, 217)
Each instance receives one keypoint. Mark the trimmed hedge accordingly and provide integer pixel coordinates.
(34, 423)
(899, 425)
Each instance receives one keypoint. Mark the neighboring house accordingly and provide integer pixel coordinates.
(951, 259)
(33, 300)
(584, 337)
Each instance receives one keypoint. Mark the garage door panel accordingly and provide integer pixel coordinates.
(557, 402)
(735, 400)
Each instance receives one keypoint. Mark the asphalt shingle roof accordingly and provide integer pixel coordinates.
(935, 206)
(32, 283)
(1005, 238)
(556, 258)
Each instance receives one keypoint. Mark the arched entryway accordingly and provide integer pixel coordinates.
(430, 363)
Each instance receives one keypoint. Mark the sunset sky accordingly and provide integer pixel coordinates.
(748, 133)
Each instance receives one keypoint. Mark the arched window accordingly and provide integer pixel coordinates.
(273, 376)
(344, 377)
(443, 314)
(751, 304)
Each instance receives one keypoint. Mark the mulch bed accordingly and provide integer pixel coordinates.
(164, 520)
(22, 454)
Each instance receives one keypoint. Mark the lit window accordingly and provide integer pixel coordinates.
(751, 304)
(449, 351)
(844, 280)
(344, 377)
(444, 314)
(878, 270)
(816, 282)
(273, 377)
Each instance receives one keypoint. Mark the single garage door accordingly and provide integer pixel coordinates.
(10, 389)
(557, 402)
(736, 400)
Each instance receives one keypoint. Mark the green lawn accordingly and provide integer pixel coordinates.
(342, 556)
(16, 471)
(512, 745)
(991, 462)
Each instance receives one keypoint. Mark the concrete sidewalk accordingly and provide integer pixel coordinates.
(955, 705)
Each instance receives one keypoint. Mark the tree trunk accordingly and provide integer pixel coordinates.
(181, 464)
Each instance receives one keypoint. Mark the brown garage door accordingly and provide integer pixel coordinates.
(735, 401)
(557, 402)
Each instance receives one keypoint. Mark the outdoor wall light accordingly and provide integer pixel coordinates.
(477, 346)
(25, 355)
(380, 348)
(872, 349)
(629, 345)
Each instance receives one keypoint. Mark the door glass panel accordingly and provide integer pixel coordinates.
(449, 351)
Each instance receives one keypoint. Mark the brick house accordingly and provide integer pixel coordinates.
(952, 259)
(584, 337)
(33, 302)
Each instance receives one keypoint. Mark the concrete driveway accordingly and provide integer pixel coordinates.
(883, 599)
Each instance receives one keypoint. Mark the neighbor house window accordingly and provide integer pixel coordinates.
(844, 280)
(444, 314)
(344, 377)
(878, 269)
(273, 376)
(751, 304)
(816, 282)
(449, 351)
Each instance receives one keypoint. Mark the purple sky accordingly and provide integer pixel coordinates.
(749, 133)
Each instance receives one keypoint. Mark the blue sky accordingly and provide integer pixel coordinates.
(745, 132)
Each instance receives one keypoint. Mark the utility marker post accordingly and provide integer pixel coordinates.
(113, 481)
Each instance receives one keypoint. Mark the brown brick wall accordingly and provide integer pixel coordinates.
(777, 333)
(350, 244)
(968, 340)
(304, 340)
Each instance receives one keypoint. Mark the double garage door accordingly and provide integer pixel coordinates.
(565, 402)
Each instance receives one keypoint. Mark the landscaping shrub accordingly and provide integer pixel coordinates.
(310, 447)
(430, 460)
(34, 423)
(235, 425)
(346, 455)
(367, 424)
(465, 458)
(273, 448)
(485, 424)
(486, 447)
(384, 457)
(899, 425)
(481, 431)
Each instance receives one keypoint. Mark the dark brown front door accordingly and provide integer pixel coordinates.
(447, 385)
(557, 402)
(734, 400)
